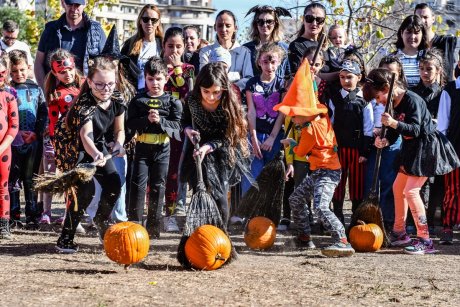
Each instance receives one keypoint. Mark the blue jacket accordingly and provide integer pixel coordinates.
(56, 35)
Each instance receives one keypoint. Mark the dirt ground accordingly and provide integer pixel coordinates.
(33, 274)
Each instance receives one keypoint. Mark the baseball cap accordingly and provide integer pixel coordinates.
(220, 54)
(69, 2)
(350, 66)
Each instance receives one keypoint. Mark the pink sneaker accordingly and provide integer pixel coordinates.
(45, 219)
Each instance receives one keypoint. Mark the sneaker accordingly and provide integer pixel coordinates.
(284, 224)
(420, 246)
(447, 237)
(66, 246)
(338, 249)
(179, 211)
(80, 229)
(399, 240)
(45, 219)
(172, 225)
(16, 224)
(236, 220)
(304, 241)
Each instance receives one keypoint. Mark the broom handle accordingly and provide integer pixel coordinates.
(199, 170)
(378, 155)
(108, 156)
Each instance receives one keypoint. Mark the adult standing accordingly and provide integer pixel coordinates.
(145, 43)
(10, 32)
(266, 27)
(241, 69)
(445, 43)
(193, 44)
(73, 31)
(312, 28)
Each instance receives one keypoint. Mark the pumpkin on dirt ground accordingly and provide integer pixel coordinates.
(260, 233)
(126, 243)
(208, 248)
(366, 237)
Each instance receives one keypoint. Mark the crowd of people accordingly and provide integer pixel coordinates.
(138, 111)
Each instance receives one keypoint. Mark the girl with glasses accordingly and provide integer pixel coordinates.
(146, 43)
(266, 27)
(312, 28)
(98, 108)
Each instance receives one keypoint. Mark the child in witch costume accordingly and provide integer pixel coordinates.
(424, 152)
(97, 108)
(213, 112)
(156, 118)
(353, 123)
(317, 142)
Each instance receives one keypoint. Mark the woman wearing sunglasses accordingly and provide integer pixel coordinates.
(146, 43)
(312, 28)
(267, 28)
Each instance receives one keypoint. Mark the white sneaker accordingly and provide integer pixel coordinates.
(172, 225)
(80, 229)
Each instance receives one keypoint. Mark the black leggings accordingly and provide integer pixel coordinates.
(109, 180)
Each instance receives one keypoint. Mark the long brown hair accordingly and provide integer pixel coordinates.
(237, 128)
(51, 82)
(135, 42)
(276, 35)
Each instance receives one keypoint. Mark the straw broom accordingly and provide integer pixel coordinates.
(369, 210)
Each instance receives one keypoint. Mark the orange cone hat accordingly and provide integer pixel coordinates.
(301, 97)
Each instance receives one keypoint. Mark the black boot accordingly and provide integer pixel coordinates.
(155, 209)
(5, 233)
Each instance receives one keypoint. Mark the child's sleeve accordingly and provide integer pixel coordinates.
(288, 153)
(13, 117)
(368, 130)
(410, 126)
(53, 114)
(137, 120)
(306, 143)
(171, 123)
(42, 114)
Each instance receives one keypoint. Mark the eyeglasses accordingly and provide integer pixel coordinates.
(147, 19)
(311, 18)
(101, 86)
(268, 22)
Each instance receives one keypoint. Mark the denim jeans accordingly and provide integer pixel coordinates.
(387, 175)
(119, 210)
(258, 164)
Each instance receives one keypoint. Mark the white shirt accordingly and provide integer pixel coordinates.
(148, 50)
(444, 110)
(241, 69)
(18, 45)
(368, 114)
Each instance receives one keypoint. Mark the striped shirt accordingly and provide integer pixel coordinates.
(410, 66)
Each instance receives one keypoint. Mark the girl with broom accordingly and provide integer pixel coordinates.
(98, 107)
(424, 152)
(213, 113)
(62, 85)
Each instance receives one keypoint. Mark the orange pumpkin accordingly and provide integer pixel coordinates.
(366, 237)
(126, 243)
(208, 248)
(260, 233)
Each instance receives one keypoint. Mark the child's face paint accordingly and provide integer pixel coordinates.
(269, 63)
(211, 96)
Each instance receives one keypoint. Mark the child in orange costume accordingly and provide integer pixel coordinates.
(318, 144)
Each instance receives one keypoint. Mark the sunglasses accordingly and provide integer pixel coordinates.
(311, 18)
(268, 22)
(9, 38)
(147, 19)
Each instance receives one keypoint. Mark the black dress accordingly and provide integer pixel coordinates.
(425, 152)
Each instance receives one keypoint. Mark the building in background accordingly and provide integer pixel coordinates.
(173, 13)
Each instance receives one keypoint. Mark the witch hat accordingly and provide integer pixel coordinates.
(301, 97)
(112, 50)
